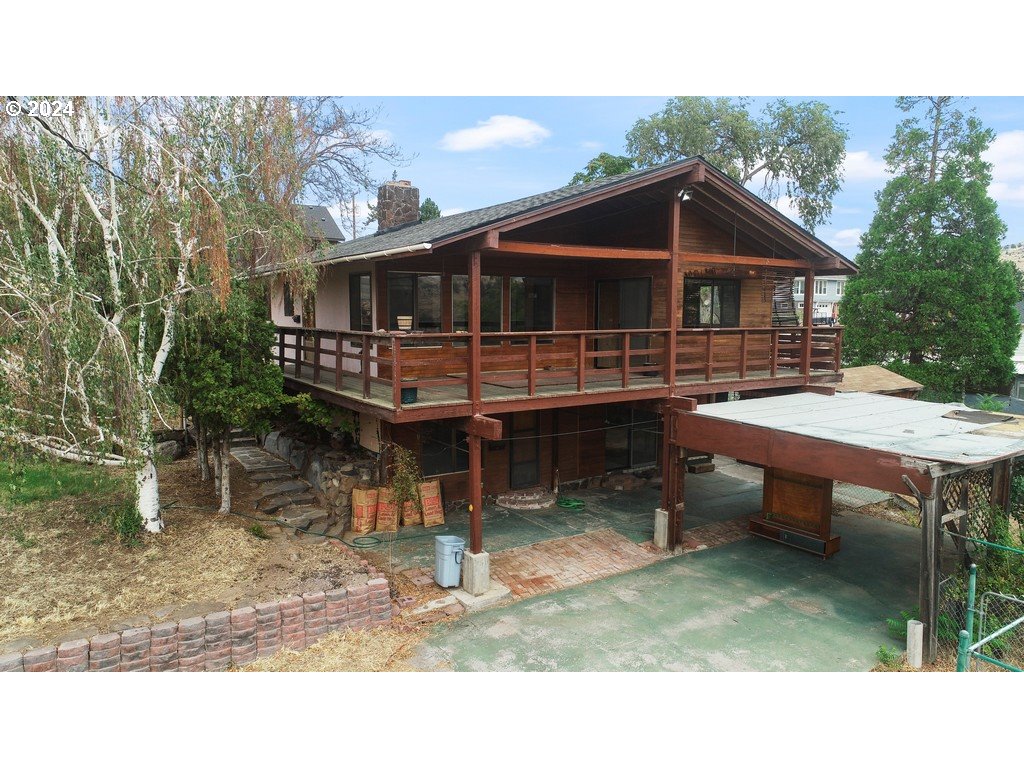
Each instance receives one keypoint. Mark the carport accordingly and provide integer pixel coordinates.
(948, 456)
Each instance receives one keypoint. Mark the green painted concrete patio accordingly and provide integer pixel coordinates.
(711, 497)
(751, 605)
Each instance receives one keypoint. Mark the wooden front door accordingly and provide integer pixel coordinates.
(524, 453)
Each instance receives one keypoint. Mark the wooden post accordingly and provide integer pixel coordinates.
(625, 361)
(476, 495)
(531, 367)
(338, 343)
(774, 352)
(672, 477)
(710, 355)
(805, 350)
(280, 347)
(837, 352)
(928, 579)
(474, 330)
(581, 363)
(672, 294)
(298, 351)
(364, 353)
(316, 357)
(743, 354)
(396, 372)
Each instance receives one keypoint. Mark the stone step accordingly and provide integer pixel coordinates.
(276, 503)
(289, 486)
(240, 442)
(273, 475)
(302, 517)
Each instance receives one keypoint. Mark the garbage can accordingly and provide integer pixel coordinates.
(448, 560)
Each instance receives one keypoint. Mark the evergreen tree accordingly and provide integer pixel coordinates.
(429, 210)
(933, 301)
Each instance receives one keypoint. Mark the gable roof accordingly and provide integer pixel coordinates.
(426, 235)
(319, 224)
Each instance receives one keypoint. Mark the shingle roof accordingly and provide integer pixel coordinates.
(447, 227)
(320, 224)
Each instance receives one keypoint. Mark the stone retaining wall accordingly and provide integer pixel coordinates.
(218, 640)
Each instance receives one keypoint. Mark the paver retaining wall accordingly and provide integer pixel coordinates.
(218, 640)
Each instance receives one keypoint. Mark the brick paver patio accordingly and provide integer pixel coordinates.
(566, 562)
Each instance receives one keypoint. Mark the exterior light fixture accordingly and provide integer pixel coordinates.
(685, 194)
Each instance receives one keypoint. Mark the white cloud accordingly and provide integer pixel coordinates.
(846, 238)
(787, 207)
(496, 131)
(343, 216)
(1007, 157)
(451, 211)
(861, 166)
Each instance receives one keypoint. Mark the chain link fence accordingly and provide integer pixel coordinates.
(991, 539)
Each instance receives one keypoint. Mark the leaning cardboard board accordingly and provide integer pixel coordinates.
(430, 498)
(387, 511)
(364, 509)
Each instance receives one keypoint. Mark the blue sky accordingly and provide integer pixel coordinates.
(468, 152)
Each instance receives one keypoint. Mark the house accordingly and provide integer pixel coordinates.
(828, 293)
(546, 339)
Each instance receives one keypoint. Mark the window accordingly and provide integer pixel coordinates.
(490, 304)
(443, 449)
(360, 303)
(840, 285)
(798, 286)
(417, 297)
(289, 301)
(713, 303)
(533, 304)
(819, 287)
(631, 438)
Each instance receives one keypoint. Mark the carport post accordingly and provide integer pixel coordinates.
(928, 582)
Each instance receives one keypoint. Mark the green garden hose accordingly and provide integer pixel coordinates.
(566, 502)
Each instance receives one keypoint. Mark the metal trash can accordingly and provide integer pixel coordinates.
(448, 560)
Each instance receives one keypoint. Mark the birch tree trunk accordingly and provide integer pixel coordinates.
(146, 484)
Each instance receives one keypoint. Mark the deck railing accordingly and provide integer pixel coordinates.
(532, 362)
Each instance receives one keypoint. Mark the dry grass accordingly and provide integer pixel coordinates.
(383, 649)
(74, 575)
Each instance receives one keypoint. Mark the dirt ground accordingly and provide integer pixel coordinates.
(71, 577)
(383, 649)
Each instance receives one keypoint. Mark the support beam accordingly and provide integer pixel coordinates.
(476, 493)
(712, 259)
(560, 250)
(675, 279)
(481, 426)
(474, 330)
(928, 579)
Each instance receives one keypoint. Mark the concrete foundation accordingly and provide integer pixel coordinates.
(915, 643)
(498, 593)
(661, 528)
(476, 573)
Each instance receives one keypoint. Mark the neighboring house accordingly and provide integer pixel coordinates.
(1017, 388)
(828, 293)
(543, 339)
(320, 225)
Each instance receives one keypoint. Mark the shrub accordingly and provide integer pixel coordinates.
(890, 658)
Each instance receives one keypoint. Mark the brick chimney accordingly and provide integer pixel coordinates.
(398, 202)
